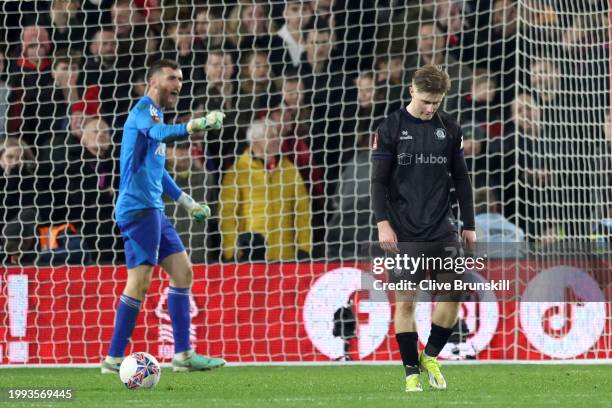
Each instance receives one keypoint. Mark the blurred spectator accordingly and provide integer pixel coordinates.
(130, 31)
(96, 14)
(258, 93)
(432, 50)
(264, 203)
(28, 242)
(31, 86)
(249, 27)
(66, 152)
(219, 87)
(209, 29)
(151, 11)
(66, 25)
(179, 45)
(521, 157)
(362, 116)
(297, 15)
(65, 74)
(449, 16)
(545, 80)
(202, 187)
(324, 12)
(101, 69)
(539, 14)
(352, 226)
(219, 92)
(17, 178)
(139, 86)
(294, 104)
(454, 20)
(567, 128)
(478, 107)
(392, 79)
(89, 106)
(293, 118)
(353, 24)
(90, 191)
(324, 84)
(493, 45)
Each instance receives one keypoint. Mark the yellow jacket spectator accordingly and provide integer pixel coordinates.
(264, 202)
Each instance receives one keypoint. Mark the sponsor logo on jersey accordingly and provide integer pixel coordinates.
(154, 114)
(440, 134)
(429, 159)
(405, 135)
(160, 150)
(406, 159)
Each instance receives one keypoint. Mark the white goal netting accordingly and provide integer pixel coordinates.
(283, 251)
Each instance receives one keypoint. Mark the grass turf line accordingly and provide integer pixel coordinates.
(329, 386)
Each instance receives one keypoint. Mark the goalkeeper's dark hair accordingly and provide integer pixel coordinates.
(161, 64)
(431, 79)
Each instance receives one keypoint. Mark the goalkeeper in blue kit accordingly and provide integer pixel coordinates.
(149, 237)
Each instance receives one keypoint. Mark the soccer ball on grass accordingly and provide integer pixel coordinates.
(139, 370)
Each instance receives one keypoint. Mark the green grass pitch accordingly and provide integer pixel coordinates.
(329, 386)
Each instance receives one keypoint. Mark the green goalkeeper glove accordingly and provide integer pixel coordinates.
(199, 212)
(214, 120)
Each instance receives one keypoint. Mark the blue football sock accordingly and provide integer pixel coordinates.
(127, 313)
(178, 309)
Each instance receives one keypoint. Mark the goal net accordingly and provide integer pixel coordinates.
(281, 267)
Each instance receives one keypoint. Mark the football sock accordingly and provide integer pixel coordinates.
(409, 351)
(113, 360)
(178, 309)
(125, 320)
(437, 340)
(184, 355)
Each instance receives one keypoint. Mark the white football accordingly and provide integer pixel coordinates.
(140, 370)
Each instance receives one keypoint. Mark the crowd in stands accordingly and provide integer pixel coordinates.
(303, 85)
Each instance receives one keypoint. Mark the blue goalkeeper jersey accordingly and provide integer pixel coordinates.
(143, 153)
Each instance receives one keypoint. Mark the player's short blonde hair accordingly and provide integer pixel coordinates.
(431, 79)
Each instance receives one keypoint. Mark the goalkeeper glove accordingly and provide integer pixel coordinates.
(199, 212)
(214, 120)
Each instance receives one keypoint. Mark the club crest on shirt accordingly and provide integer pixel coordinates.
(154, 114)
(440, 134)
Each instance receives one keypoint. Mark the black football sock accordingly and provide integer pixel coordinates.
(409, 351)
(437, 340)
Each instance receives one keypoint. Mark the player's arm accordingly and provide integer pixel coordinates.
(199, 212)
(382, 162)
(463, 189)
(162, 132)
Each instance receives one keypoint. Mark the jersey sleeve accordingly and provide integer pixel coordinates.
(463, 185)
(382, 161)
(170, 187)
(383, 146)
(158, 131)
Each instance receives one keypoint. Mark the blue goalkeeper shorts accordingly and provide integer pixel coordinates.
(149, 237)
